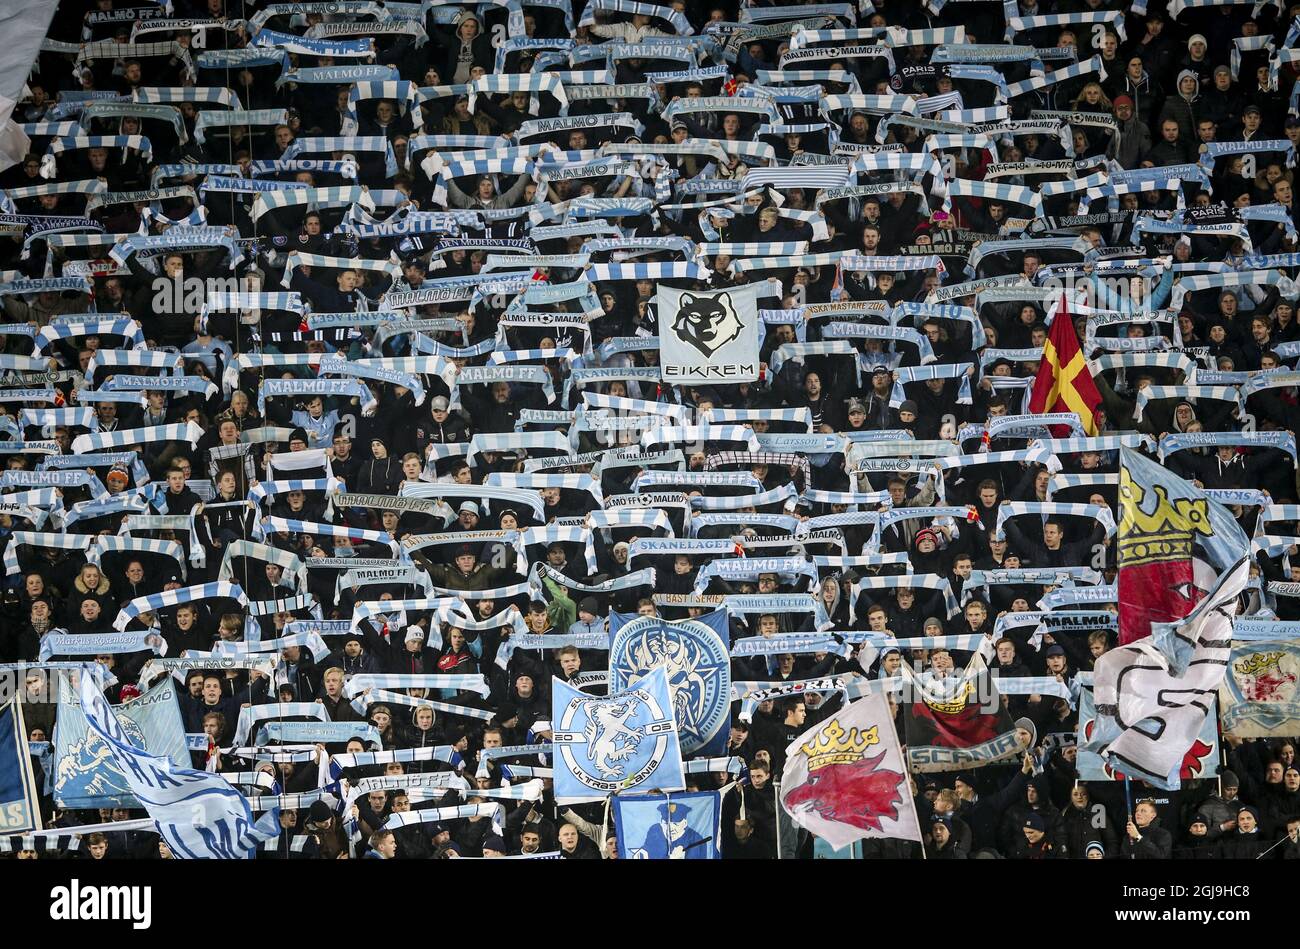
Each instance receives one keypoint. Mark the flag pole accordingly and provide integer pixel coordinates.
(907, 765)
(776, 813)
(604, 822)
(1128, 802)
(1285, 838)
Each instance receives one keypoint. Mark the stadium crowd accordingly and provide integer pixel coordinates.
(261, 258)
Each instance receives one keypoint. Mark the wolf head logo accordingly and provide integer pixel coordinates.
(707, 323)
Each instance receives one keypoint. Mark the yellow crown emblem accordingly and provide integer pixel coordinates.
(956, 704)
(1163, 533)
(833, 745)
(1256, 663)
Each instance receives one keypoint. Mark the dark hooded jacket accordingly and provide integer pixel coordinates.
(413, 736)
(1276, 806)
(1183, 110)
(379, 476)
(1011, 833)
(1197, 848)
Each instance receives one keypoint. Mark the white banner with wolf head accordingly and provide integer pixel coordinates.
(708, 336)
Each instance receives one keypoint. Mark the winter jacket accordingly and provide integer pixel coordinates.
(1078, 830)
(379, 476)
(1197, 848)
(952, 850)
(1045, 849)
(1013, 821)
(1135, 142)
(1239, 846)
(1156, 843)
(1186, 112)
(482, 577)
(1217, 812)
(339, 709)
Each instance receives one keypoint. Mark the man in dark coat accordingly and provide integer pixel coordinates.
(1144, 838)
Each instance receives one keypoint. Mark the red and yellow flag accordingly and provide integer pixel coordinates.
(1064, 383)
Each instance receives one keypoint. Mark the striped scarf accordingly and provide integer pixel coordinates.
(168, 598)
(1069, 596)
(315, 145)
(369, 697)
(924, 581)
(435, 815)
(275, 196)
(181, 431)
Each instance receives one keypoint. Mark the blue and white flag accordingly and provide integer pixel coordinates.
(694, 655)
(87, 772)
(20, 809)
(199, 814)
(664, 827)
(624, 742)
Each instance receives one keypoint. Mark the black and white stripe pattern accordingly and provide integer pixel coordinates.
(805, 176)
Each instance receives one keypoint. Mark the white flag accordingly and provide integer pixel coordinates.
(845, 779)
(1153, 695)
(708, 336)
(23, 24)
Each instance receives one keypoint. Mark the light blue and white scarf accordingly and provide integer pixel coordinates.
(168, 598)
(1181, 441)
(1070, 596)
(59, 642)
(905, 375)
(911, 581)
(181, 431)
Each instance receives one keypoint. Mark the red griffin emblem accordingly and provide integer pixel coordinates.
(1263, 679)
(958, 723)
(1268, 688)
(1156, 538)
(854, 793)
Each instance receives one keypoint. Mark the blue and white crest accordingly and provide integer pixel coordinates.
(1260, 694)
(200, 814)
(85, 772)
(694, 656)
(623, 742)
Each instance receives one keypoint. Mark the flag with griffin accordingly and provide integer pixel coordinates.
(957, 722)
(845, 779)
